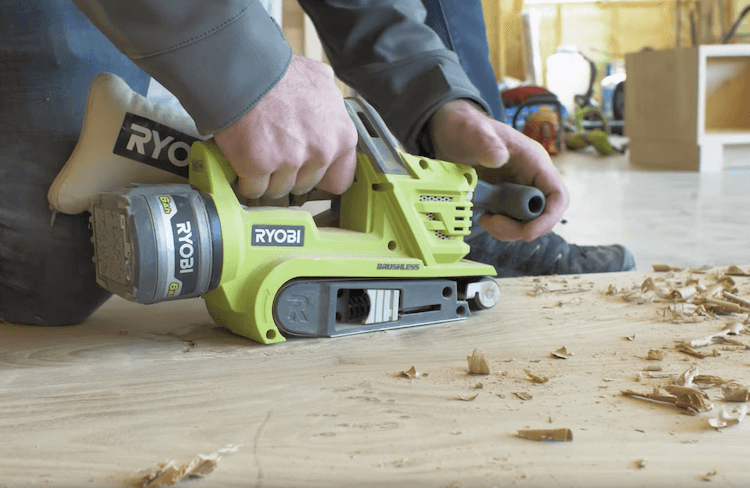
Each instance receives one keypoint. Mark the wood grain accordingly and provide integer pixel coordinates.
(98, 403)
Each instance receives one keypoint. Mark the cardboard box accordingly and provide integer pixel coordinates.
(689, 108)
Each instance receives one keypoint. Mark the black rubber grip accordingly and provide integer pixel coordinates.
(519, 202)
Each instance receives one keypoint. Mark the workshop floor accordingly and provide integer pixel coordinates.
(676, 218)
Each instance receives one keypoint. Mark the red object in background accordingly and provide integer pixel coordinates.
(516, 96)
(542, 126)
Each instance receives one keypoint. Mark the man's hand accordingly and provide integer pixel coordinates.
(461, 133)
(298, 137)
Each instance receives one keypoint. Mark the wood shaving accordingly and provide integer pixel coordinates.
(684, 348)
(664, 267)
(535, 378)
(709, 380)
(734, 298)
(652, 368)
(478, 363)
(720, 337)
(522, 395)
(630, 337)
(657, 375)
(648, 284)
(538, 288)
(724, 306)
(686, 378)
(735, 271)
(714, 290)
(561, 353)
(564, 435)
(655, 355)
(411, 373)
(735, 393)
(683, 293)
(574, 301)
(465, 398)
(691, 399)
(708, 476)
(728, 418)
(169, 472)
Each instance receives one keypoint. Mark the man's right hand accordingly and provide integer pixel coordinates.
(298, 137)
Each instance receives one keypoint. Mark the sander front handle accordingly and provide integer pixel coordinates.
(518, 202)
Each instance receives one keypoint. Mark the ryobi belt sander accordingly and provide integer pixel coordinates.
(388, 254)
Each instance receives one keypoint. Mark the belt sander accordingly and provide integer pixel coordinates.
(389, 253)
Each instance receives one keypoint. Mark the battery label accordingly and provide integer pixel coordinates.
(186, 253)
(179, 217)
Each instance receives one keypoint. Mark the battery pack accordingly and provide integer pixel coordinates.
(157, 242)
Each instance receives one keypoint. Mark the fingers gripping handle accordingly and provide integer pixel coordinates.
(519, 202)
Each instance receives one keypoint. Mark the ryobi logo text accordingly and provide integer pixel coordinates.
(186, 248)
(180, 215)
(278, 235)
(152, 143)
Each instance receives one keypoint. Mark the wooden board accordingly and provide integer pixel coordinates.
(98, 403)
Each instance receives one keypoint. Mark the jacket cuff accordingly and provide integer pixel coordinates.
(409, 114)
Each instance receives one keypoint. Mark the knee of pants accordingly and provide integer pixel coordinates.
(47, 275)
(51, 55)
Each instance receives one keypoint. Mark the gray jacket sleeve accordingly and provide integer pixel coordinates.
(218, 57)
(383, 49)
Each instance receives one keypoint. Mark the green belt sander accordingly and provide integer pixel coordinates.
(388, 254)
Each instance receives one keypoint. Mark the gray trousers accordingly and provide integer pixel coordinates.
(50, 54)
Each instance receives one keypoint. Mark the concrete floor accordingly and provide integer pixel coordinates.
(677, 218)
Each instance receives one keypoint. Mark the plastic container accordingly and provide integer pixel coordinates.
(613, 94)
(568, 75)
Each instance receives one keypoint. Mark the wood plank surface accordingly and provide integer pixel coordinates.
(101, 403)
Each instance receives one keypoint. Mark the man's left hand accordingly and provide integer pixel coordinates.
(461, 133)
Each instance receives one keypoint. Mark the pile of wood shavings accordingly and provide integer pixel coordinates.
(691, 299)
(688, 392)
